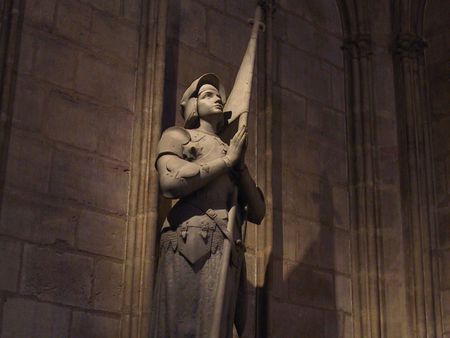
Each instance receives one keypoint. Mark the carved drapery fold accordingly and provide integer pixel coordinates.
(143, 194)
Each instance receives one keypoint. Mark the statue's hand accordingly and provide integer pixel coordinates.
(238, 144)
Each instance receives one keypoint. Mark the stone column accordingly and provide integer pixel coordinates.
(364, 199)
(143, 201)
(416, 184)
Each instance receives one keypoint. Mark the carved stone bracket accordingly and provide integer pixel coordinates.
(409, 45)
(359, 46)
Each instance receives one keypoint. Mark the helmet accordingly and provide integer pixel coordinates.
(189, 99)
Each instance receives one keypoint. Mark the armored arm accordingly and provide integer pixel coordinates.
(178, 177)
(252, 195)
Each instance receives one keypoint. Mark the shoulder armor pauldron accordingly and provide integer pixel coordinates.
(172, 141)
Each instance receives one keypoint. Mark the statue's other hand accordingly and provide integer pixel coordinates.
(237, 147)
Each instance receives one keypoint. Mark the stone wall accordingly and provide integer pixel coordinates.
(310, 290)
(437, 33)
(64, 205)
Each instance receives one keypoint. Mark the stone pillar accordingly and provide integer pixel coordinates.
(143, 203)
(416, 184)
(364, 199)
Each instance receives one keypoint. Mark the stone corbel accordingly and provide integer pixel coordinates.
(409, 45)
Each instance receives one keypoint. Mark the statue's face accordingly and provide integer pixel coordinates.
(209, 101)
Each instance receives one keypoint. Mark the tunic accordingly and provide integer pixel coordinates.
(190, 254)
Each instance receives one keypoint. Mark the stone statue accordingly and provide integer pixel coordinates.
(199, 289)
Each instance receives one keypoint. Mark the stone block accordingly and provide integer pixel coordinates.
(56, 224)
(234, 36)
(243, 9)
(293, 110)
(90, 180)
(338, 89)
(304, 74)
(294, 7)
(27, 47)
(29, 104)
(218, 4)
(71, 121)
(302, 34)
(343, 290)
(105, 82)
(113, 6)
(329, 49)
(341, 208)
(290, 320)
(55, 62)
(338, 324)
(108, 286)
(445, 269)
(311, 287)
(73, 20)
(132, 9)
(57, 277)
(17, 218)
(326, 123)
(191, 65)
(10, 252)
(115, 37)
(342, 251)
(115, 132)
(90, 325)
(324, 14)
(40, 12)
(101, 234)
(23, 318)
(445, 308)
(28, 162)
(191, 25)
(37, 222)
(308, 249)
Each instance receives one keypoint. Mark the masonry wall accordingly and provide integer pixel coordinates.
(64, 206)
(437, 33)
(310, 294)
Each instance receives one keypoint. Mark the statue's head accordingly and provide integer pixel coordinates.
(204, 96)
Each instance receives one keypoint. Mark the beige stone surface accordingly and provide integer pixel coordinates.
(107, 292)
(57, 277)
(101, 234)
(92, 325)
(36, 319)
(10, 252)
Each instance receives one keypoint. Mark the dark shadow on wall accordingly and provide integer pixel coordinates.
(298, 298)
(170, 104)
(302, 304)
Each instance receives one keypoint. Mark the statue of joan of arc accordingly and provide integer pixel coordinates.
(199, 289)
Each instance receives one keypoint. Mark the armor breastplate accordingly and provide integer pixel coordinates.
(196, 231)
